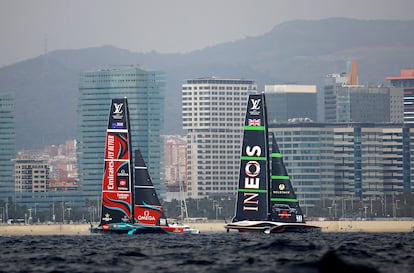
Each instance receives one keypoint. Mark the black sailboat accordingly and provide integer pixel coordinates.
(129, 201)
(266, 200)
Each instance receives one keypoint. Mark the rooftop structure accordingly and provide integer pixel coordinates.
(406, 82)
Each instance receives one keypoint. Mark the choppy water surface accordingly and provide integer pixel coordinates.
(210, 252)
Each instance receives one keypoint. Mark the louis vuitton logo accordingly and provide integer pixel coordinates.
(118, 108)
(255, 104)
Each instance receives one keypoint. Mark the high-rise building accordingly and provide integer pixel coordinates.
(145, 92)
(308, 153)
(213, 113)
(342, 160)
(7, 145)
(289, 101)
(358, 103)
(406, 82)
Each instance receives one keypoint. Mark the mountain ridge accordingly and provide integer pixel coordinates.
(300, 51)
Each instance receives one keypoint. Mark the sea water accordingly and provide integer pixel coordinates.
(210, 252)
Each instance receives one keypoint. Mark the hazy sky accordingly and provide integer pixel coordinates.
(30, 27)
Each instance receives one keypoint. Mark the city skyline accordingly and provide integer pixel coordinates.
(47, 25)
(275, 58)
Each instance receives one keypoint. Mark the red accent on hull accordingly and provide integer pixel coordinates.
(173, 229)
(106, 227)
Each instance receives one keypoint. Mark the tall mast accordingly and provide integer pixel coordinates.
(268, 180)
(183, 203)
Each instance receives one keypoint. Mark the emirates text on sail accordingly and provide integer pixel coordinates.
(110, 149)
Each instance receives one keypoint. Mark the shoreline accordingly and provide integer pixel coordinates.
(212, 226)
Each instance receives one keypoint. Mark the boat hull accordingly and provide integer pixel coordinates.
(270, 227)
(131, 229)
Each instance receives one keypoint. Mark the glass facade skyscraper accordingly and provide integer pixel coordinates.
(7, 145)
(145, 92)
(336, 160)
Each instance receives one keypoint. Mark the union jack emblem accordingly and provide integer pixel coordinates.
(254, 122)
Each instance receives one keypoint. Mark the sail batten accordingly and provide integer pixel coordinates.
(282, 177)
(251, 190)
(117, 130)
(252, 158)
(254, 128)
(284, 200)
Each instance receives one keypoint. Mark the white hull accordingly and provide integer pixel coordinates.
(270, 227)
(186, 228)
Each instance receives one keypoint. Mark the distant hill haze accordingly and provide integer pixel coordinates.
(300, 52)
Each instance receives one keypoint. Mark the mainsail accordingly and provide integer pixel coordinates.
(266, 200)
(116, 186)
(252, 196)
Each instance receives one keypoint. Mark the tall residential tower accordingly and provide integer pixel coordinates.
(7, 145)
(213, 110)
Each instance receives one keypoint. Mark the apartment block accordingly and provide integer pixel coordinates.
(213, 114)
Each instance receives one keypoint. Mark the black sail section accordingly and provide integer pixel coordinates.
(116, 183)
(252, 195)
(284, 204)
(147, 206)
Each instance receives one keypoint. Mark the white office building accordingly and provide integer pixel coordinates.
(213, 115)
